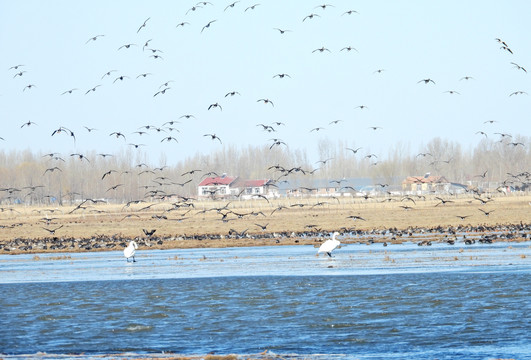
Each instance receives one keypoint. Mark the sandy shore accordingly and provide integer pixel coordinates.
(196, 224)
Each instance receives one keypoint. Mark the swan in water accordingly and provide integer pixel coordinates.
(329, 245)
(129, 251)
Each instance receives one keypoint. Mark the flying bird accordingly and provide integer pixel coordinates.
(163, 91)
(426, 81)
(323, 6)
(194, 8)
(349, 48)
(281, 76)
(215, 105)
(231, 5)
(94, 38)
(322, 49)
(93, 89)
(519, 67)
(27, 124)
(251, 7)
(281, 31)
(108, 73)
(311, 16)
(214, 136)
(208, 25)
(350, 12)
(127, 46)
(354, 150)
(143, 25)
(69, 91)
(266, 101)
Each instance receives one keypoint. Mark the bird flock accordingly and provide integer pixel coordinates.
(142, 67)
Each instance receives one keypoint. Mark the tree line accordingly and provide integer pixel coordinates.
(28, 177)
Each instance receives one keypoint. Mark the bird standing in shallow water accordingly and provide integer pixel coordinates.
(329, 245)
(129, 251)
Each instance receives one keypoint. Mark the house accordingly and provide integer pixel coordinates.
(227, 186)
(219, 186)
(426, 183)
(250, 188)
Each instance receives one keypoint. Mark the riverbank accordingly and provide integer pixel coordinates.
(199, 224)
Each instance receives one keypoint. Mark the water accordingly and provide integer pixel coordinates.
(368, 302)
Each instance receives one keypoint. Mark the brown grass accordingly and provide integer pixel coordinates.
(127, 223)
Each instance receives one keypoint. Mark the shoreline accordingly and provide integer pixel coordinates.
(218, 224)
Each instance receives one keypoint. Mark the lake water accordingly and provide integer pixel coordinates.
(367, 302)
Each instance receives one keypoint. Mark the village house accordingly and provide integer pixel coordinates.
(216, 186)
(227, 186)
(425, 184)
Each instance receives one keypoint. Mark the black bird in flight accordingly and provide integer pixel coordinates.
(426, 81)
(282, 31)
(108, 73)
(214, 136)
(311, 16)
(281, 76)
(117, 134)
(322, 49)
(232, 93)
(127, 46)
(80, 157)
(148, 233)
(27, 124)
(52, 170)
(52, 231)
(251, 7)
(69, 91)
(121, 78)
(215, 105)
(349, 48)
(266, 101)
(163, 91)
(94, 38)
(193, 8)
(323, 6)
(354, 150)
(519, 67)
(231, 5)
(169, 138)
(93, 89)
(350, 12)
(143, 25)
(207, 25)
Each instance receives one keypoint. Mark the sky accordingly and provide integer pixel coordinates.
(242, 51)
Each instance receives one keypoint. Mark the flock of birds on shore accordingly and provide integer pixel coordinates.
(168, 128)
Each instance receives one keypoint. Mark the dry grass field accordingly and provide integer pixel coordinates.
(209, 223)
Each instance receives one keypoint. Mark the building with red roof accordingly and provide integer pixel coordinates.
(229, 186)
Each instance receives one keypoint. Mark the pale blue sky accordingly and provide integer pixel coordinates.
(241, 51)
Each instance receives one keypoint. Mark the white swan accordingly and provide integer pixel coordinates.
(329, 245)
(129, 251)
